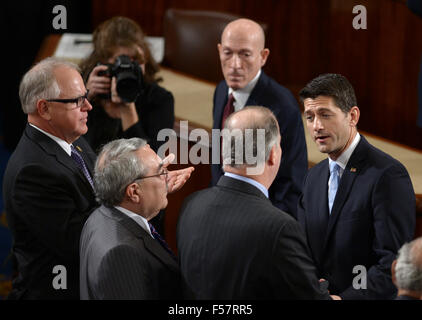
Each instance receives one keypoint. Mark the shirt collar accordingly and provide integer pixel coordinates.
(248, 180)
(138, 219)
(63, 144)
(241, 96)
(345, 156)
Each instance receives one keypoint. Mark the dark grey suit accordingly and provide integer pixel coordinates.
(234, 244)
(120, 260)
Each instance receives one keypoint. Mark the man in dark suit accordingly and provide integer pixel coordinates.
(233, 243)
(243, 54)
(48, 187)
(358, 206)
(122, 255)
(47, 195)
(406, 271)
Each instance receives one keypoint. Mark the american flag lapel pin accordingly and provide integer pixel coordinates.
(79, 148)
(352, 169)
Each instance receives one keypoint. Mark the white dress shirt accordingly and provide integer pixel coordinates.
(241, 96)
(138, 219)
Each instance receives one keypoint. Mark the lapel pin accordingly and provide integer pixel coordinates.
(352, 169)
(79, 148)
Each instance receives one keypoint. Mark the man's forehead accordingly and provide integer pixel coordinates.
(319, 102)
(150, 158)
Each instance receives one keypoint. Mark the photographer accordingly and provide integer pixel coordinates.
(113, 116)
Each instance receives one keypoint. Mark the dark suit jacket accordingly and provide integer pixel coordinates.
(120, 260)
(234, 244)
(372, 216)
(286, 188)
(47, 201)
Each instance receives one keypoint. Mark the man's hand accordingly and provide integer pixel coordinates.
(176, 178)
(334, 297)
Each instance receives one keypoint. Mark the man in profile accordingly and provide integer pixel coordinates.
(233, 243)
(122, 255)
(242, 55)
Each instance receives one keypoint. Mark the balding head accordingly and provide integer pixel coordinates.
(245, 30)
(251, 143)
(242, 52)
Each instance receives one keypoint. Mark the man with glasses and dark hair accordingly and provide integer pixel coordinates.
(48, 184)
(122, 255)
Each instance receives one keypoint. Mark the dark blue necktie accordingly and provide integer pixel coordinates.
(81, 164)
(160, 239)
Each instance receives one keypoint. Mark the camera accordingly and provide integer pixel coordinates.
(129, 77)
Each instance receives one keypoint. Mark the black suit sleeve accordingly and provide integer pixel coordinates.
(123, 274)
(393, 203)
(47, 207)
(293, 265)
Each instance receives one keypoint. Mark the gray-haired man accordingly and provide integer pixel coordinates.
(407, 271)
(121, 254)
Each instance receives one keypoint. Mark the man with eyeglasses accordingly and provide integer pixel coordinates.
(122, 255)
(48, 184)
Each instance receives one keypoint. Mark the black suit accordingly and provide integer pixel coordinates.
(373, 215)
(234, 244)
(120, 260)
(47, 201)
(286, 188)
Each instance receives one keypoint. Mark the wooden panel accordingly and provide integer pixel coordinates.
(309, 37)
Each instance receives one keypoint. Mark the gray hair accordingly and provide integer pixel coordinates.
(408, 269)
(40, 83)
(116, 167)
(261, 118)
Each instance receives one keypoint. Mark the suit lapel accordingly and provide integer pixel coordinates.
(259, 88)
(320, 220)
(152, 245)
(353, 168)
(220, 103)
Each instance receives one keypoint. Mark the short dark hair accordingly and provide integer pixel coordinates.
(331, 85)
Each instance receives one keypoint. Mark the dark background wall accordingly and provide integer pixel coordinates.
(23, 26)
(310, 37)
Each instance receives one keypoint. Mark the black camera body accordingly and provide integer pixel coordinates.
(129, 77)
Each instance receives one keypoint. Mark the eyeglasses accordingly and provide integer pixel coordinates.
(164, 173)
(79, 100)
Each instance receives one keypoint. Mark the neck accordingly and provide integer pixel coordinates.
(409, 293)
(261, 178)
(336, 154)
(47, 127)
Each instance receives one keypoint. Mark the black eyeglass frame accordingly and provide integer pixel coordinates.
(78, 100)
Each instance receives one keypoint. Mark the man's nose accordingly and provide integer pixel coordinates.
(86, 105)
(235, 62)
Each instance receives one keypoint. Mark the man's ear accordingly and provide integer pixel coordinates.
(264, 56)
(354, 116)
(393, 272)
(133, 192)
(43, 110)
(272, 159)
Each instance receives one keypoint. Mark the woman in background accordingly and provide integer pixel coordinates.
(111, 117)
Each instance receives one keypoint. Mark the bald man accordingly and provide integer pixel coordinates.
(243, 54)
(233, 243)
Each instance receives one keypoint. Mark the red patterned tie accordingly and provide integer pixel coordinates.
(228, 109)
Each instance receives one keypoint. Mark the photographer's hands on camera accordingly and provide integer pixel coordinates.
(115, 107)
